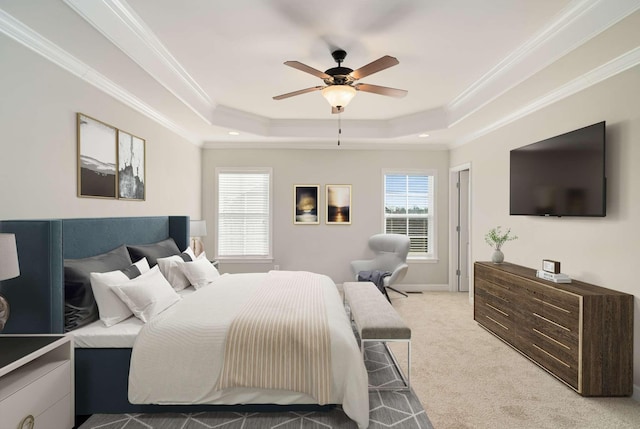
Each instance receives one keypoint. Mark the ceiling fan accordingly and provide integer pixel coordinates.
(340, 82)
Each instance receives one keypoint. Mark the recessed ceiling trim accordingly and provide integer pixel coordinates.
(575, 25)
(34, 41)
(119, 23)
(605, 71)
(344, 145)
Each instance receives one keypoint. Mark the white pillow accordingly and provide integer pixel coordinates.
(200, 272)
(111, 308)
(147, 295)
(170, 270)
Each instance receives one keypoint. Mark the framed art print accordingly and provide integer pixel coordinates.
(338, 201)
(131, 167)
(96, 158)
(305, 208)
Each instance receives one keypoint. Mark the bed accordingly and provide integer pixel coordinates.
(102, 362)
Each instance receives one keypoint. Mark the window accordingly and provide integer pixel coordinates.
(244, 213)
(409, 210)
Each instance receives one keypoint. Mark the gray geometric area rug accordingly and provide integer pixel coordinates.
(387, 409)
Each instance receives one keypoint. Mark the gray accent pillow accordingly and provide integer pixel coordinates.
(153, 251)
(80, 305)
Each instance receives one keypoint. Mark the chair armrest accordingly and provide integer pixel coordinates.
(397, 274)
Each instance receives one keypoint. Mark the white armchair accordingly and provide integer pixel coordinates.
(391, 252)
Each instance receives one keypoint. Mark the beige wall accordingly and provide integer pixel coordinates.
(322, 248)
(603, 251)
(38, 161)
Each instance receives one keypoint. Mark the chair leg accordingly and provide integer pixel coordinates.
(386, 295)
(396, 290)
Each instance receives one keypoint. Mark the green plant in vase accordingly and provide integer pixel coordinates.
(496, 239)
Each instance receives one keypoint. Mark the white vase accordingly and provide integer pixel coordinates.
(497, 257)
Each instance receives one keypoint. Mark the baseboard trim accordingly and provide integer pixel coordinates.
(422, 287)
(636, 393)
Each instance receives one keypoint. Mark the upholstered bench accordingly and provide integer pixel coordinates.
(377, 321)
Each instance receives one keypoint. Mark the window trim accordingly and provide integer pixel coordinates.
(433, 225)
(245, 170)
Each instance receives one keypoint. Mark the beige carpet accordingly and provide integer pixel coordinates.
(466, 378)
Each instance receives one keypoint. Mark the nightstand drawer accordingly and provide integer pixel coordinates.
(38, 396)
(57, 417)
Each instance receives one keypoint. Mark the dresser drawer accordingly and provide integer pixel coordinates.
(493, 316)
(40, 395)
(551, 360)
(493, 292)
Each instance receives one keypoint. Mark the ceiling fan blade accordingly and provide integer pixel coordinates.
(305, 68)
(375, 66)
(382, 90)
(294, 93)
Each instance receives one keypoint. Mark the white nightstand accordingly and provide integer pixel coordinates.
(36, 381)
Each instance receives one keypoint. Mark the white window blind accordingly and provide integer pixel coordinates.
(244, 213)
(408, 210)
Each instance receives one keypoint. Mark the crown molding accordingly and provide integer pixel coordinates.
(577, 23)
(373, 130)
(605, 71)
(34, 41)
(119, 23)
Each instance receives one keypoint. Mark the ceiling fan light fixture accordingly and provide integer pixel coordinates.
(338, 95)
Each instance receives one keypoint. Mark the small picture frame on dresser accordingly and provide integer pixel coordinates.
(551, 266)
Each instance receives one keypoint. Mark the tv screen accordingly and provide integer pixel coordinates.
(560, 176)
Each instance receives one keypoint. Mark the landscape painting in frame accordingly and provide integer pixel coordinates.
(338, 201)
(96, 158)
(305, 211)
(131, 167)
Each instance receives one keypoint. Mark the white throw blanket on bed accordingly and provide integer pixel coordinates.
(177, 357)
(280, 338)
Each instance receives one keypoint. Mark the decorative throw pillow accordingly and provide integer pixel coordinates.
(110, 307)
(147, 295)
(153, 251)
(80, 305)
(170, 270)
(200, 272)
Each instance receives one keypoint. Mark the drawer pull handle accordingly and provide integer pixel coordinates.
(552, 322)
(552, 356)
(552, 339)
(551, 305)
(497, 309)
(495, 321)
(27, 423)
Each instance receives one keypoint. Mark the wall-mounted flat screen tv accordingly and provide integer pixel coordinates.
(560, 176)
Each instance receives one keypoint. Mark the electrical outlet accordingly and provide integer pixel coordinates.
(276, 267)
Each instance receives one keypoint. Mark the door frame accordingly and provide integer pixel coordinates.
(453, 221)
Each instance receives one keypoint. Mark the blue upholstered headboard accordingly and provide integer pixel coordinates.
(37, 295)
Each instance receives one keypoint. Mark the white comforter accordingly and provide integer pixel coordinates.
(177, 357)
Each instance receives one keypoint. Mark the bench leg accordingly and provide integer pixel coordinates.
(406, 379)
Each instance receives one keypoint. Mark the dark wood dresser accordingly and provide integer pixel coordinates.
(580, 333)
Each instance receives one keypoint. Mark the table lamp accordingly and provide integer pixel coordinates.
(198, 229)
(9, 268)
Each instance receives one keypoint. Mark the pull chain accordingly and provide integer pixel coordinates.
(339, 123)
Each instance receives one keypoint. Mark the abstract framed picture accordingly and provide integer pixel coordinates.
(97, 173)
(338, 201)
(305, 208)
(131, 167)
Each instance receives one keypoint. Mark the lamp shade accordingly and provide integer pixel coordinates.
(9, 267)
(198, 228)
(338, 95)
